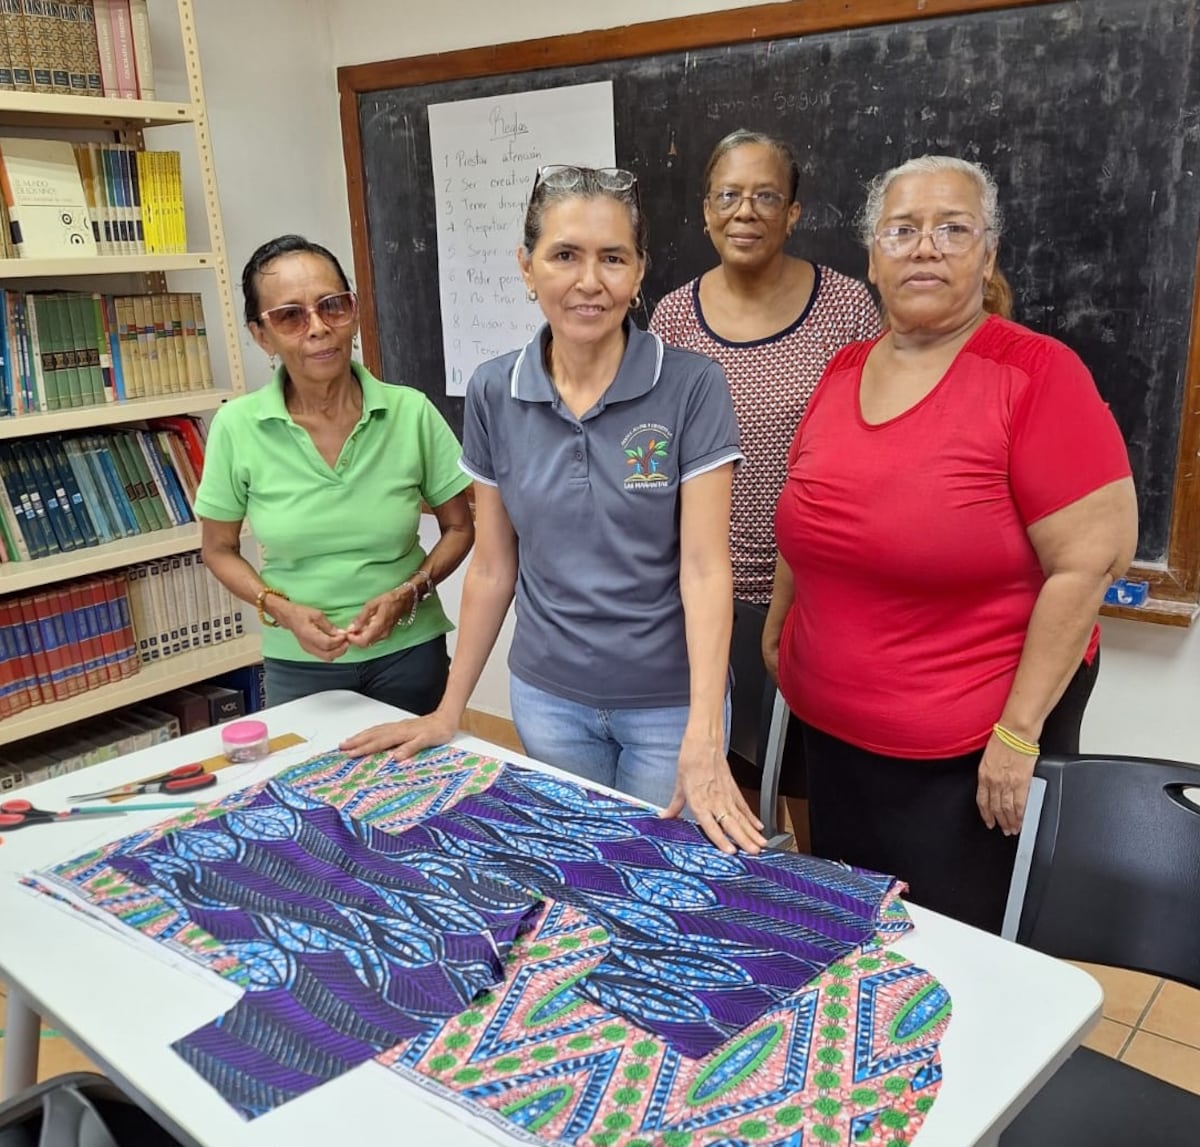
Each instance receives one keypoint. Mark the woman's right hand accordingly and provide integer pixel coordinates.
(404, 738)
(311, 628)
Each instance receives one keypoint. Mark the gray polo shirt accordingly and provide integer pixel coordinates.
(595, 505)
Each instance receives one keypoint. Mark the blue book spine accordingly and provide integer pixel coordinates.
(65, 533)
(57, 456)
(117, 487)
(73, 456)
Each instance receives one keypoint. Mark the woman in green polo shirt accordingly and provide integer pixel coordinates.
(330, 466)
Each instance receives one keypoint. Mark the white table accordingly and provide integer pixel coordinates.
(1017, 1014)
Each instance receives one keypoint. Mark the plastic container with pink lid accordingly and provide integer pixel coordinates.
(244, 741)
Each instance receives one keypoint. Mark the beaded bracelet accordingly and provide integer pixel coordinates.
(411, 616)
(1017, 744)
(260, 604)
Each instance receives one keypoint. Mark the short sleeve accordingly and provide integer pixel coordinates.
(1065, 442)
(476, 458)
(225, 481)
(442, 477)
(709, 436)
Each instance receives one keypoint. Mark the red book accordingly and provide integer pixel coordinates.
(118, 599)
(37, 650)
(67, 629)
(28, 694)
(193, 442)
(11, 686)
(123, 51)
(93, 594)
(53, 665)
(89, 637)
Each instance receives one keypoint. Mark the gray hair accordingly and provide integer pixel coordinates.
(989, 194)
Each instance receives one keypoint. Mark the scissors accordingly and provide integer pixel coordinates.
(21, 814)
(183, 779)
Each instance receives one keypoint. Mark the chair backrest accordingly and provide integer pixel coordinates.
(1113, 865)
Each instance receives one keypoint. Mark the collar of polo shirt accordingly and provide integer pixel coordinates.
(638, 374)
(272, 404)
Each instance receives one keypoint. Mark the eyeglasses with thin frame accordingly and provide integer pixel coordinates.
(947, 238)
(292, 319)
(766, 203)
(564, 176)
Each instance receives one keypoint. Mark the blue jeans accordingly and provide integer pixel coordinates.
(635, 751)
(411, 679)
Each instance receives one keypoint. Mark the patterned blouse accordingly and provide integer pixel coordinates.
(771, 381)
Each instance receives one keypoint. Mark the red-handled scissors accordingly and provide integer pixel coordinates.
(21, 814)
(184, 779)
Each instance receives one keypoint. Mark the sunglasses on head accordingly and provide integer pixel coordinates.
(565, 176)
(293, 318)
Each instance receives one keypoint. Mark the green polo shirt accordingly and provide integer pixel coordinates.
(334, 537)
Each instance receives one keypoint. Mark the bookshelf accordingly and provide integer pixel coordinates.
(124, 121)
(157, 677)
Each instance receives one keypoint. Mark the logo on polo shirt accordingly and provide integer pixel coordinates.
(647, 448)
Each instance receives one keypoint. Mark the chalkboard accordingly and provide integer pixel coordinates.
(1088, 115)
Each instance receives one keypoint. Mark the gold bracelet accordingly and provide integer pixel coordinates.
(260, 604)
(1017, 744)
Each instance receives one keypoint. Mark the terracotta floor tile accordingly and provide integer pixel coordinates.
(1108, 1037)
(1126, 994)
(1175, 1014)
(1165, 1059)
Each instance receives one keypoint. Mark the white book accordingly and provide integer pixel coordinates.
(47, 207)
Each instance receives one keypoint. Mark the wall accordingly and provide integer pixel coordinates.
(273, 113)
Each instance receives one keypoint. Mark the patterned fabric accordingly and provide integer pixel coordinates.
(771, 381)
(352, 944)
(851, 1059)
(702, 944)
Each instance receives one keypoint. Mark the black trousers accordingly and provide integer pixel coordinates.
(918, 820)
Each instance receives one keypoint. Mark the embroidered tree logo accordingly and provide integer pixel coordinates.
(645, 459)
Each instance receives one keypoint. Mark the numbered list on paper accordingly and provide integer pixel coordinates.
(486, 154)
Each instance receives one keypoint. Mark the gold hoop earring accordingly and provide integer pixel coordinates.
(705, 228)
(531, 295)
(635, 302)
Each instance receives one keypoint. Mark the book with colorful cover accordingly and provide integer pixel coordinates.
(47, 208)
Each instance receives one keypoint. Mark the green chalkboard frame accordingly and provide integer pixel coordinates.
(1175, 584)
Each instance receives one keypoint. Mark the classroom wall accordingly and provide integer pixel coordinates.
(272, 89)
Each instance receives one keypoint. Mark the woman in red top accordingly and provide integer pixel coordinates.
(958, 500)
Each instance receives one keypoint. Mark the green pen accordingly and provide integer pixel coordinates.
(156, 806)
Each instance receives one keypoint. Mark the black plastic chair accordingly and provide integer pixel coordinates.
(79, 1109)
(1108, 872)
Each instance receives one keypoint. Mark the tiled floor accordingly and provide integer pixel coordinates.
(1148, 1023)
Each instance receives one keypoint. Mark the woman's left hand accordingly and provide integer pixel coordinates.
(379, 616)
(1004, 776)
(704, 784)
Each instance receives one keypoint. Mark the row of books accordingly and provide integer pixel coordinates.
(65, 200)
(68, 750)
(70, 638)
(178, 607)
(169, 715)
(60, 350)
(77, 47)
(61, 494)
(65, 640)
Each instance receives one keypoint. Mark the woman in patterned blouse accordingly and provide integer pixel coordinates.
(773, 321)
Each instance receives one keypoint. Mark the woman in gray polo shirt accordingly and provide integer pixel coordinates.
(603, 462)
